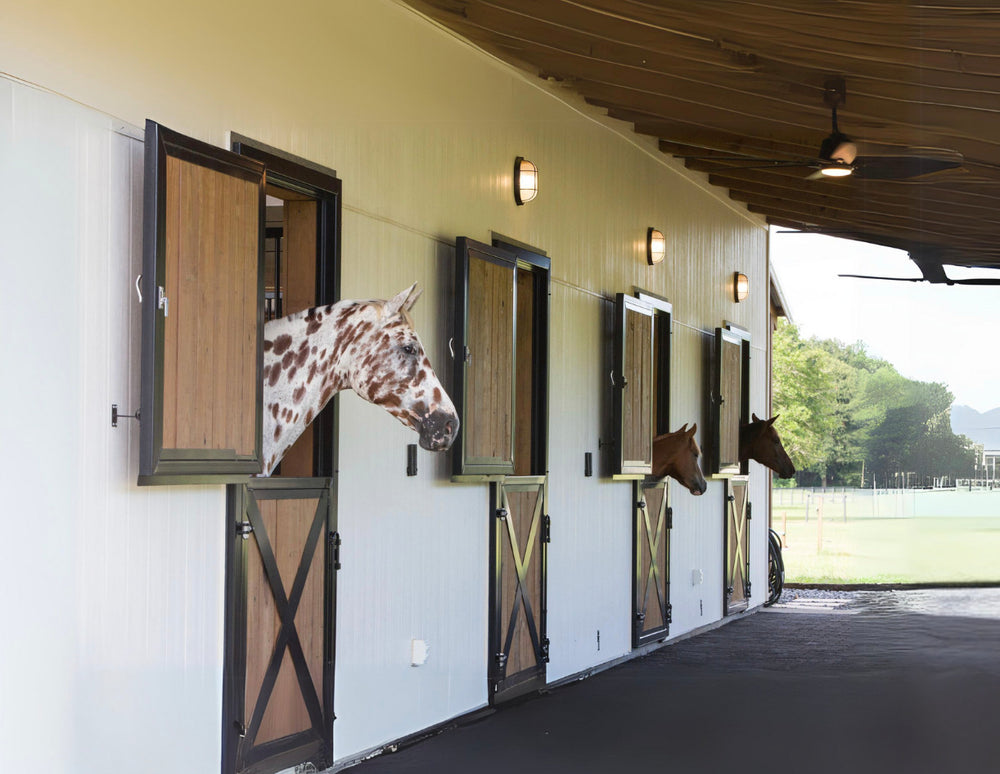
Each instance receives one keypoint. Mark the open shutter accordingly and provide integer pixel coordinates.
(202, 318)
(727, 400)
(485, 310)
(633, 384)
(663, 312)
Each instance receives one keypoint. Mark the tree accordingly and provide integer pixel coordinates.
(843, 409)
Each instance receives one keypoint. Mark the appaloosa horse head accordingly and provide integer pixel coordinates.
(368, 346)
(676, 455)
(759, 441)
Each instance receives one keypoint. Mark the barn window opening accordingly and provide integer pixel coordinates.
(301, 270)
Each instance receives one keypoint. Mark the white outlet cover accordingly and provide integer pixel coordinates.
(418, 652)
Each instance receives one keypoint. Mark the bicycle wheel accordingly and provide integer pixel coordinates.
(775, 569)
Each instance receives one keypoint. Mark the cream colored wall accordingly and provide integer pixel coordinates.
(423, 130)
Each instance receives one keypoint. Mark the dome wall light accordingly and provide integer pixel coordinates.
(525, 180)
(741, 286)
(656, 246)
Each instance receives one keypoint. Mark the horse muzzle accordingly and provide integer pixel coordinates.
(438, 430)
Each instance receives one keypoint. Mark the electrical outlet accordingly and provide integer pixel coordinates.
(418, 652)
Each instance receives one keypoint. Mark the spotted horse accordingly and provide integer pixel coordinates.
(367, 346)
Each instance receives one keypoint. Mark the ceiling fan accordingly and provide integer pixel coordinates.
(838, 154)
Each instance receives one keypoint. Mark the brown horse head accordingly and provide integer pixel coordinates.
(759, 441)
(676, 455)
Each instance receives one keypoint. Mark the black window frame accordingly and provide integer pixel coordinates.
(185, 466)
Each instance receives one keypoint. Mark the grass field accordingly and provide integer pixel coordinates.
(921, 549)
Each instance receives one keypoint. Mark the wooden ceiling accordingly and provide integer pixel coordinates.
(732, 86)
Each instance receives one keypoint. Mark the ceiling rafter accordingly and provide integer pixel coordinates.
(747, 79)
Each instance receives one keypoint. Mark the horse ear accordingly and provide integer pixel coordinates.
(693, 429)
(754, 418)
(772, 420)
(402, 301)
(684, 428)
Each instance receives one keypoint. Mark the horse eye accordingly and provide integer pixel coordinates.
(409, 349)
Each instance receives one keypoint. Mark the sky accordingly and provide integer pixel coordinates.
(930, 333)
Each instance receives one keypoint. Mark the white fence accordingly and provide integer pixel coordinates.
(887, 503)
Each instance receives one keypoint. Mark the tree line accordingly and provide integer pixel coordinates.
(848, 418)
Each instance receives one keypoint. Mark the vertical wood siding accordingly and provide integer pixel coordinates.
(127, 606)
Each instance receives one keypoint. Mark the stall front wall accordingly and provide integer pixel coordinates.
(112, 594)
(425, 145)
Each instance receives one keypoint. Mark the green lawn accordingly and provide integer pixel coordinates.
(894, 550)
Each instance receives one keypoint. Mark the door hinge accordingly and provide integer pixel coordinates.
(670, 613)
(670, 518)
(241, 729)
(641, 505)
(333, 539)
(749, 511)
(501, 513)
(545, 649)
(162, 302)
(546, 529)
(243, 529)
(501, 659)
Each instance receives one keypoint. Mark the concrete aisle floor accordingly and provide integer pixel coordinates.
(904, 681)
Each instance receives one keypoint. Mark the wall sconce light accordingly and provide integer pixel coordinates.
(656, 246)
(741, 286)
(525, 180)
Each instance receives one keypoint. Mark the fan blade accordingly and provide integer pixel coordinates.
(970, 281)
(888, 279)
(908, 164)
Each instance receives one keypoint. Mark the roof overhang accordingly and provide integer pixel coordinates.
(742, 92)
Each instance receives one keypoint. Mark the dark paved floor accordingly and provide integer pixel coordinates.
(870, 682)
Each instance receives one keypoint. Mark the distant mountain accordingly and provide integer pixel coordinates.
(981, 428)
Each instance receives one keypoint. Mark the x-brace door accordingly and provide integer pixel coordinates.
(518, 644)
(651, 561)
(279, 678)
(737, 509)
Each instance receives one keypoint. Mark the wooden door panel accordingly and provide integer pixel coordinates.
(280, 636)
(651, 562)
(737, 546)
(517, 616)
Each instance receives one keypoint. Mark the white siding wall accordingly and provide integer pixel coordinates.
(112, 595)
(120, 589)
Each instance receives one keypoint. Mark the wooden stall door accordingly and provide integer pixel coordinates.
(279, 693)
(651, 562)
(520, 533)
(737, 508)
